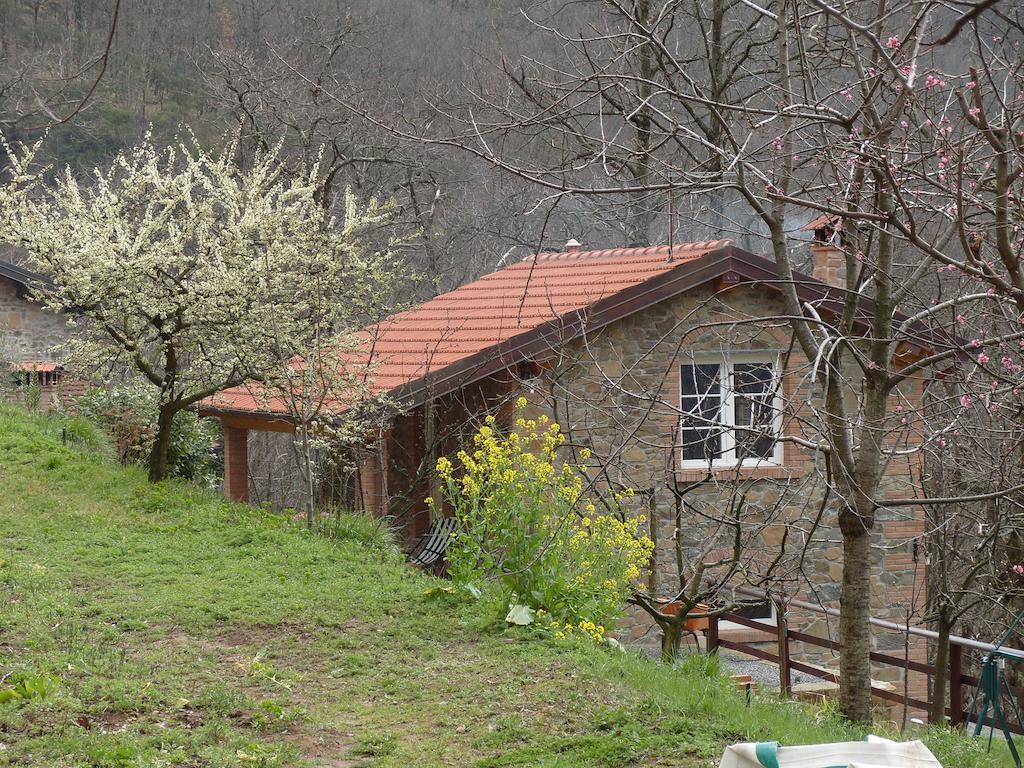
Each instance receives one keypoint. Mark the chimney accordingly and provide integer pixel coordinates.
(573, 246)
(828, 259)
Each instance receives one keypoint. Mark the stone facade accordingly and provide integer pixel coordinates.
(28, 331)
(618, 391)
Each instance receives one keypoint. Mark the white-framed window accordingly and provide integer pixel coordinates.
(731, 411)
(761, 612)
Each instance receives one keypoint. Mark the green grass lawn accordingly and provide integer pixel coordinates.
(183, 630)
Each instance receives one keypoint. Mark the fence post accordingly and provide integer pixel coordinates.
(712, 636)
(782, 622)
(956, 688)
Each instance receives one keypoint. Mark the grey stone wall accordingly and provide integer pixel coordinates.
(27, 330)
(617, 391)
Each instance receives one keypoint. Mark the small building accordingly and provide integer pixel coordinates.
(676, 367)
(29, 333)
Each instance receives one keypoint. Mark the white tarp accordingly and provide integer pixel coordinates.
(873, 753)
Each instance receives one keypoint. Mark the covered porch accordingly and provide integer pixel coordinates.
(394, 470)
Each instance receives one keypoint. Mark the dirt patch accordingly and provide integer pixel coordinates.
(112, 721)
(324, 748)
(234, 636)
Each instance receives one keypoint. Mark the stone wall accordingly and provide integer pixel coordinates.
(28, 331)
(617, 391)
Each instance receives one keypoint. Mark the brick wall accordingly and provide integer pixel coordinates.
(236, 463)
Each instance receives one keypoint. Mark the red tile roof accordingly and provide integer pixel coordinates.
(40, 366)
(491, 311)
(818, 222)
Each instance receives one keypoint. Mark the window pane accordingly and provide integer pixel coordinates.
(753, 408)
(706, 411)
(759, 611)
(701, 445)
(700, 379)
(757, 440)
(753, 378)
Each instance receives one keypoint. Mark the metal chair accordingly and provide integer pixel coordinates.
(428, 553)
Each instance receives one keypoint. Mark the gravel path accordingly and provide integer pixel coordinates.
(766, 675)
(761, 672)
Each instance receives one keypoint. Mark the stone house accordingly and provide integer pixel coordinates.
(677, 368)
(29, 333)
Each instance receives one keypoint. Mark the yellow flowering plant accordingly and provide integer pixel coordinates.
(526, 524)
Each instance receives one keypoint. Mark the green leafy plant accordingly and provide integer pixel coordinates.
(525, 523)
(22, 687)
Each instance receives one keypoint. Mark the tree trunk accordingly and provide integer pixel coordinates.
(671, 637)
(307, 448)
(854, 629)
(162, 442)
(943, 627)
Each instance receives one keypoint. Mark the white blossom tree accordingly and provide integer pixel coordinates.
(189, 270)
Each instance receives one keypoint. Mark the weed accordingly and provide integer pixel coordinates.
(23, 687)
(376, 745)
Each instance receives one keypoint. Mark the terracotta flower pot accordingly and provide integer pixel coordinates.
(698, 623)
(670, 607)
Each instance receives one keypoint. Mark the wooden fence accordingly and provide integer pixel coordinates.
(779, 636)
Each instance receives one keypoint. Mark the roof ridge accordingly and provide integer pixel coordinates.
(632, 251)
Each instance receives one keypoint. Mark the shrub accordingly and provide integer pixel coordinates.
(129, 411)
(525, 523)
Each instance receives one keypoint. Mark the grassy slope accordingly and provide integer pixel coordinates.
(189, 631)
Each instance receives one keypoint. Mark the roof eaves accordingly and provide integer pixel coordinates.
(688, 275)
(21, 275)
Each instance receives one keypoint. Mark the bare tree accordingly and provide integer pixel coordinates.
(852, 116)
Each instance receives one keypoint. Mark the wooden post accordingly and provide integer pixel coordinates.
(712, 641)
(782, 622)
(956, 688)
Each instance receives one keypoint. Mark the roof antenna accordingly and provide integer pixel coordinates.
(671, 229)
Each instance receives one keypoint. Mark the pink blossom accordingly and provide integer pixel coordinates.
(893, 43)
(966, 401)
(971, 84)
(973, 111)
(975, 343)
(983, 358)
(961, 319)
(1018, 569)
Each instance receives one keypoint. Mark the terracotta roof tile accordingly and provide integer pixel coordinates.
(486, 312)
(40, 366)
